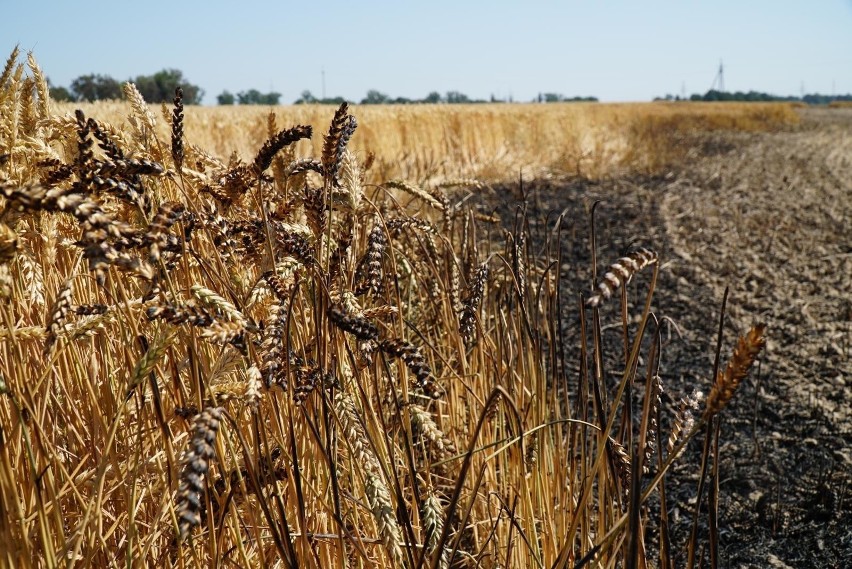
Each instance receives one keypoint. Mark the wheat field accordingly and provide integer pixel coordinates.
(277, 338)
(490, 142)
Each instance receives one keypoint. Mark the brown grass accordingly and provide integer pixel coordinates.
(271, 361)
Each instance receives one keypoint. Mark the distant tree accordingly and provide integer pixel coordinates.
(337, 101)
(375, 97)
(160, 87)
(94, 87)
(255, 97)
(307, 98)
(455, 97)
(226, 98)
(58, 93)
(401, 101)
(553, 97)
(433, 97)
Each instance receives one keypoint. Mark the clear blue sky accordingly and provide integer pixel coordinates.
(617, 50)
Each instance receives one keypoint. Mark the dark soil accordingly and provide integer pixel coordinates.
(770, 217)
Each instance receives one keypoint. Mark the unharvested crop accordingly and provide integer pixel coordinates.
(279, 360)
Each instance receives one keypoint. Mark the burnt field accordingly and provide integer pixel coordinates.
(769, 216)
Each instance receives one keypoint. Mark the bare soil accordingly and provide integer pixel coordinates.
(769, 216)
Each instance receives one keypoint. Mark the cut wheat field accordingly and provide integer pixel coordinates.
(281, 337)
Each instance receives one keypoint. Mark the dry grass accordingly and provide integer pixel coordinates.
(270, 361)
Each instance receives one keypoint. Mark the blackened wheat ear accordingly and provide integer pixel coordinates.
(196, 465)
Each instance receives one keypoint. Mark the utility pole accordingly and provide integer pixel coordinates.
(720, 78)
(322, 71)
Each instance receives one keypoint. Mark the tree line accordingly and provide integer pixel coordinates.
(757, 96)
(160, 88)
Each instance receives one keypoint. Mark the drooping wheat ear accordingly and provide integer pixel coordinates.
(461, 183)
(416, 363)
(620, 273)
(378, 495)
(180, 313)
(123, 167)
(158, 234)
(124, 190)
(10, 65)
(368, 275)
(281, 158)
(8, 244)
(177, 129)
(727, 382)
(149, 360)
(424, 425)
(196, 464)
(382, 312)
(56, 173)
(433, 526)
(58, 315)
(361, 328)
(684, 419)
(302, 165)
(415, 191)
(296, 246)
(41, 87)
(398, 225)
(275, 143)
(105, 141)
(621, 461)
(226, 332)
(471, 303)
(218, 303)
(90, 309)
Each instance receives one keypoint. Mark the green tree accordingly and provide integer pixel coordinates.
(255, 97)
(375, 97)
(58, 93)
(226, 98)
(455, 97)
(94, 87)
(433, 97)
(160, 87)
(307, 98)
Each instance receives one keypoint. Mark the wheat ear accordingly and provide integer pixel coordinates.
(620, 273)
(727, 382)
(196, 465)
